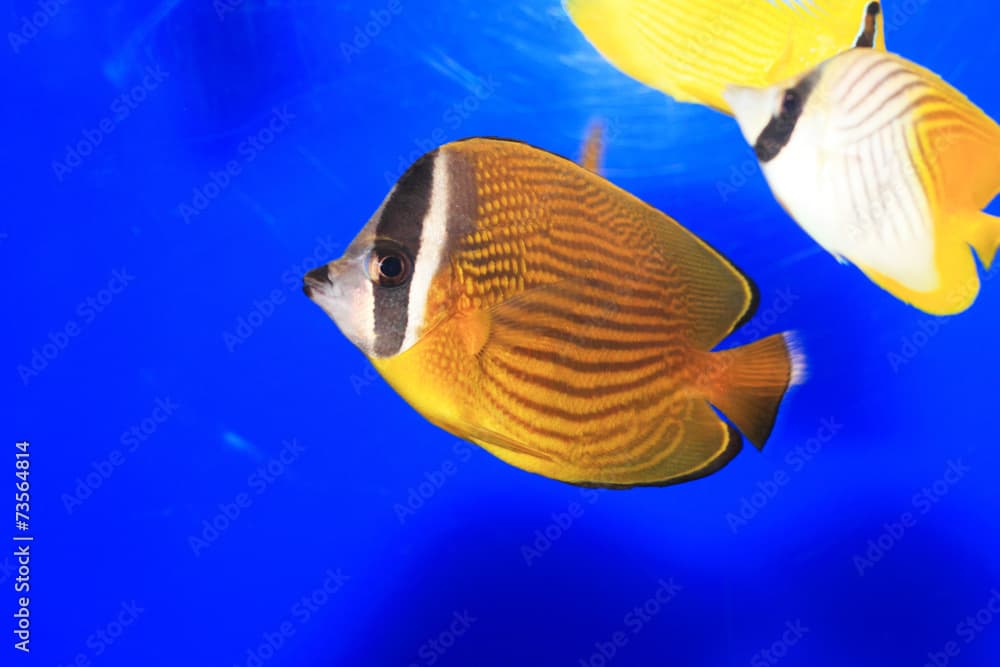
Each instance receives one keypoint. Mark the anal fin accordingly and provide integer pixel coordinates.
(696, 447)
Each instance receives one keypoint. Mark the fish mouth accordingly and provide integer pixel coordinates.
(317, 281)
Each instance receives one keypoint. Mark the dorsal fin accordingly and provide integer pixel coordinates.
(592, 150)
(871, 34)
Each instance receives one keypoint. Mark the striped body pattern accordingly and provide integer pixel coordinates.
(594, 373)
(882, 164)
(561, 323)
(693, 49)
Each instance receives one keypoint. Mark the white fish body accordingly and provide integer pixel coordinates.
(860, 151)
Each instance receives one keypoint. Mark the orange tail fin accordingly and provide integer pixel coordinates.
(749, 382)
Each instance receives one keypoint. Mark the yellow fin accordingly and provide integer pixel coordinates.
(983, 233)
(592, 150)
(691, 49)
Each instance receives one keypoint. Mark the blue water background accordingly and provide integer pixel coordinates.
(205, 316)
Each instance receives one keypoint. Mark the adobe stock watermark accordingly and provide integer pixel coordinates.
(451, 119)
(432, 650)
(967, 631)
(794, 462)
(366, 33)
(300, 613)
(259, 481)
(33, 24)
(634, 622)
(130, 441)
(417, 496)
(911, 345)
(218, 181)
(543, 538)
(102, 639)
(225, 7)
(767, 657)
(290, 281)
(921, 503)
(364, 379)
(765, 318)
(551, 18)
(902, 12)
(85, 313)
(739, 175)
(7, 569)
(119, 111)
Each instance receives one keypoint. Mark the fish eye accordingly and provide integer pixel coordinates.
(388, 267)
(791, 103)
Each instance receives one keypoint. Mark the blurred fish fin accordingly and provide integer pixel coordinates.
(747, 383)
(983, 232)
(880, 29)
(592, 150)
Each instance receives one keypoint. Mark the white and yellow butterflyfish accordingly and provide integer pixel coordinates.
(885, 165)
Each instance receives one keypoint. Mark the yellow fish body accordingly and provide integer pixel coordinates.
(521, 301)
(692, 49)
(885, 165)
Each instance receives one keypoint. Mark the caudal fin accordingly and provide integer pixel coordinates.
(749, 382)
(983, 234)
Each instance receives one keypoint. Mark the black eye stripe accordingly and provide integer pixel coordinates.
(402, 221)
(778, 130)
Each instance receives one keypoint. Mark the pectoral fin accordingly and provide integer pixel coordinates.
(491, 440)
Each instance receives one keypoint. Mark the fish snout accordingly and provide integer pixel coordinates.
(752, 107)
(317, 281)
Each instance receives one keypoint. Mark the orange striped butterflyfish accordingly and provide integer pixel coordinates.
(692, 49)
(521, 301)
(886, 166)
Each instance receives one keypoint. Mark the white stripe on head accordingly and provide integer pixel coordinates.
(433, 240)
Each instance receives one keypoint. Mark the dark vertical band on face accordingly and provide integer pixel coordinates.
(401, 223)
(778, 131)
(867, 37)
